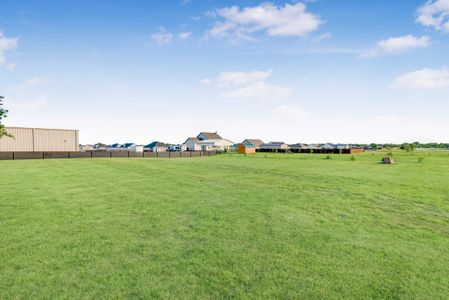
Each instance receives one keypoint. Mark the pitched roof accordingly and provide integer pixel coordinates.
(276, 143)
(273, 144)
(155, 144)
(299, 146)
(210, 135)
(127, 145)
(193, 139)
(255, 142)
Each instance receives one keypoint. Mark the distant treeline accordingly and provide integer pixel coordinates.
(407, 145)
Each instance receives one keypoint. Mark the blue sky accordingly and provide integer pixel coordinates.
(296, 71)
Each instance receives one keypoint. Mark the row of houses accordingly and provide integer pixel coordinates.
(204, 141)
(130, 147)
(257, 145)
(208, 141)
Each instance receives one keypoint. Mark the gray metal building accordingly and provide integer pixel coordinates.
(39, 139)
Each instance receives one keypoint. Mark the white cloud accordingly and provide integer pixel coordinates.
(34, 81)
(10, 66)
(249, 85)
(434, 14)
(162, 37)
(260, 90)
(423, 79)
(240, 23)
(184, 35)
(386, 120)
(34, 105)
(397, 45)
(290, 112)
(242, 78)
(322, 37)
(7, 44)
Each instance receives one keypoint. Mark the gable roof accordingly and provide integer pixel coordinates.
(255, 142)
(299, 146)
(193, 139)
(275, 143)
(127, 145)
(210, 135)
(155, 144)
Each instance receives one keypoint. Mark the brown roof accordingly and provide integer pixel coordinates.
(210, 135)
(255, 142)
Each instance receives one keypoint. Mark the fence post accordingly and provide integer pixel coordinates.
(157, 154)
(13, 156)
(68, 154)
(128, 153)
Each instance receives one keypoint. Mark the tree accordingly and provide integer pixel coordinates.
(3, 114)
(408, 147)
(405, 147)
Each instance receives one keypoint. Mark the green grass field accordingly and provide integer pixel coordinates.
(280, 226)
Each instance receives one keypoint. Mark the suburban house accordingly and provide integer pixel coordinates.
(299, 146)
(341, 146)
(156, 147)
(314, 146)
(274, 146)
(191, 144)
(255, 142)
(206, 141)
(131, 147)
(328, 146)
(101, 147)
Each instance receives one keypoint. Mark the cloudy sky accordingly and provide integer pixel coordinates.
(295, 71)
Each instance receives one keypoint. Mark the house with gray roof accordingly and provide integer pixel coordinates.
(209, 136)
(254, 142)
(274, 146)
(299, 146)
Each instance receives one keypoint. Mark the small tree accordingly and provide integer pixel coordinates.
(408, 147)
(3, 114)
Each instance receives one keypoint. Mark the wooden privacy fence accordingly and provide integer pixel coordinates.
(315, 151)
(98, 154)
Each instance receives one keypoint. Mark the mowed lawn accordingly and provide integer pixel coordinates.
(230, 226)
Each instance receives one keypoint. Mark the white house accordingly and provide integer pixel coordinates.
(206, 141)
(156, 147)
(215, 144)
(191, 144)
